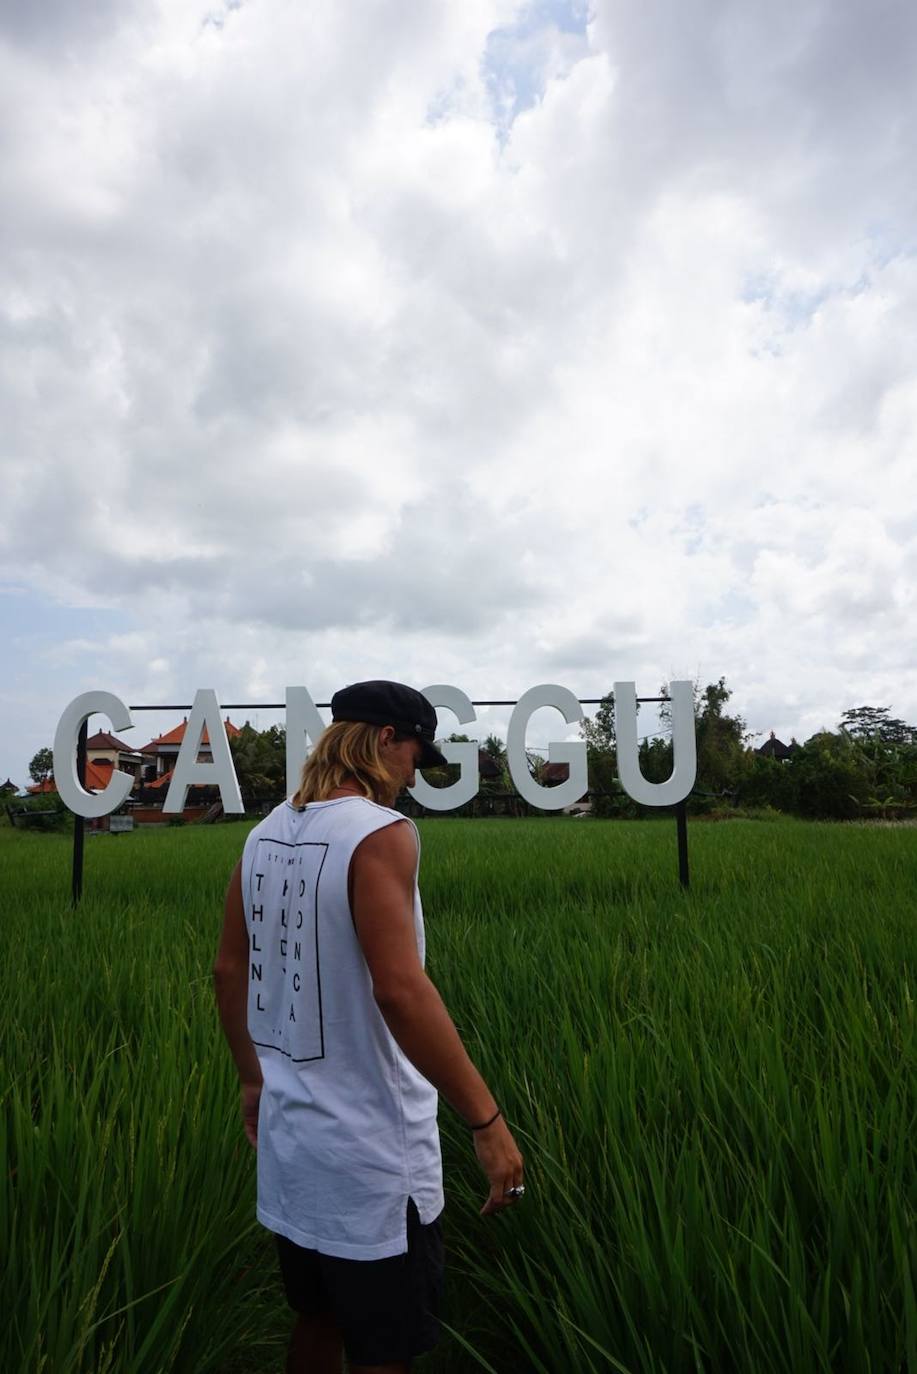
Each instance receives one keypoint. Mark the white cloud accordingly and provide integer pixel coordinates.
(489, 347)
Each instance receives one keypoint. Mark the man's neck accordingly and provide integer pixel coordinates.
(349, 787)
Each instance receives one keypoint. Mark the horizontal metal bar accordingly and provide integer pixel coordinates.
(281, 705)
(229, 706)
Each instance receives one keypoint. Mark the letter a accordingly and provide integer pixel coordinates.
(205, 715)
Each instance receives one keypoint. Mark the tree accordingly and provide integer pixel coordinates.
(713, 699)
(722, 758)
(601, 758)
(259, 758)
(42, 766)
(875, 723)
(769, 782)
(495, 749)
(599, 731)
(721, 740)
(830, 778)
(886, 751)
(655, 757)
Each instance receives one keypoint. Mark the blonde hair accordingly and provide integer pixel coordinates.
(346, 749)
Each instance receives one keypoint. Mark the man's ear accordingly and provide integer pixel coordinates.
(386, 735)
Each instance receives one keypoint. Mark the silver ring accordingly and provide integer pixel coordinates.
(515, 1192)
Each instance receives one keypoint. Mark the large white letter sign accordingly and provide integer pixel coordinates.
(81, 802)
(573, 753)
(205, 715)
(684, 750)
(465, 755)
(303, 721)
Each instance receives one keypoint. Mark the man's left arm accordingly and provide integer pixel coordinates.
(230, 981)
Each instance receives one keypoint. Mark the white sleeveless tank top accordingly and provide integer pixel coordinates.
(347, 1126)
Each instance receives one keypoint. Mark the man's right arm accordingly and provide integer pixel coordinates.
(382, 900)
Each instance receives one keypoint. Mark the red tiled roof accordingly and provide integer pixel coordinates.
(103, 740)
(98, 776)
(178, 734)
(167, 778)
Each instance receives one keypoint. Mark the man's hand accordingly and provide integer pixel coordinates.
(499, 1157)
(251, 1098)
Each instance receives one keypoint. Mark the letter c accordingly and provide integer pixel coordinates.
(83, 803)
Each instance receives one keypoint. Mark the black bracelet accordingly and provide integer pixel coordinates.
(482, 1125)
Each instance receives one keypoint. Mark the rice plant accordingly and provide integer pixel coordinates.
(715, 1092)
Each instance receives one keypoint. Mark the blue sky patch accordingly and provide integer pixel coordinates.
(30, 623)
(514, 61)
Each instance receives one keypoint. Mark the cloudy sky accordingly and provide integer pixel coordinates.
(481, 343)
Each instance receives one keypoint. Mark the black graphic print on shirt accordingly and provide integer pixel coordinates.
(284, 988)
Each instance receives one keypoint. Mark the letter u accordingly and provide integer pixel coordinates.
(684, 748)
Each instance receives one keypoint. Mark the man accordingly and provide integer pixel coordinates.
(342, 1044)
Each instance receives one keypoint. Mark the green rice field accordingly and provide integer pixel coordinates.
(715, 1091)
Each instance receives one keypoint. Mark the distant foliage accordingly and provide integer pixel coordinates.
(722, 739)
(495, 749)
(867, 767)
(875, 724)
(828, 780)
(259, 758)
(45, 812)
(599, 734)
(42, 765)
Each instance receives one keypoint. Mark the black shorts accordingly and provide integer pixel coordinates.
(387, 1310)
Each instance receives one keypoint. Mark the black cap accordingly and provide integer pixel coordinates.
(391, 703)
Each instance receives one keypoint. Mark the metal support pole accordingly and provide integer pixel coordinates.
(78, 821)
(681, 822)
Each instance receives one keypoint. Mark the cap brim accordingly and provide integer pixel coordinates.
(430, 756)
